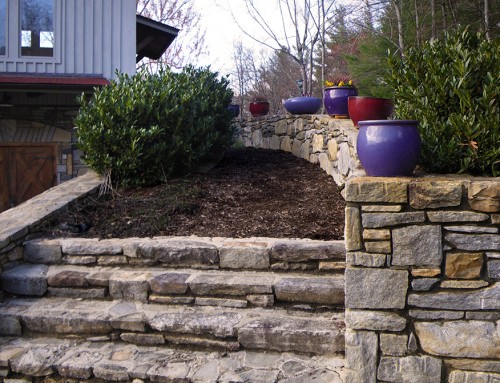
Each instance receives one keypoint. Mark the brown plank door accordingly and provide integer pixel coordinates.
(27, 172)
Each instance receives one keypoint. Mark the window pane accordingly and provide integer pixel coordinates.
(37, 27)
(3, 26)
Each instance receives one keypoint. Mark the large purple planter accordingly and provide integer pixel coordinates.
(335, 100)
(388, 148)
(302, 105)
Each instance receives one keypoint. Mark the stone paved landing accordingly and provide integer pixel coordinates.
(63, 359)
(150, 324)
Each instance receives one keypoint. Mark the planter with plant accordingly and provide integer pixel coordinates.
(259, 106)
(335, 96)
(144, 129)
(452, 86)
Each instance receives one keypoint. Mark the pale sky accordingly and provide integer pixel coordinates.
(222, 31)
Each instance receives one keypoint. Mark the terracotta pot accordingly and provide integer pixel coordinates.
(335, 100)
(369, 108)
(388, 148)
(302, 105)
(259, 108)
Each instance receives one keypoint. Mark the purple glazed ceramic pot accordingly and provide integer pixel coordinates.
(335, 99)
(388, 148)
(302, 105)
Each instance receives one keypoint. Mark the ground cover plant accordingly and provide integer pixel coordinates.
(251, 192)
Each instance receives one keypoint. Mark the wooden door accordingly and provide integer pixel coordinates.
(28, 170)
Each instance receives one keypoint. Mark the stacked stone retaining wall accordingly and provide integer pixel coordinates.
(423, 260)
(319, 139)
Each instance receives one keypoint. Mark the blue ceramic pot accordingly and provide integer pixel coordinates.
(335, 99)
(388, 148)
(234, 109)
(302, 105)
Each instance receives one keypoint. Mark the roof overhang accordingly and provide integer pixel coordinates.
(44, 82)
(152, 38)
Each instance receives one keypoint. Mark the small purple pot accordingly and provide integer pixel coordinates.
(335, 99)
(388, 148)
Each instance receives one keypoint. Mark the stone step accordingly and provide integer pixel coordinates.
(191, 252)
(177, 286)
(62, 360)
(151, 324)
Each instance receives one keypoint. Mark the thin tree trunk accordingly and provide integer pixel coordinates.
(417, 25)
(445, 21)
(487, 19)
(397, 8)
(453, 14)
(433, 19)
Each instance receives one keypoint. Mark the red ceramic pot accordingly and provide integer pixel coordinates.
(369, 108)
(259, 108)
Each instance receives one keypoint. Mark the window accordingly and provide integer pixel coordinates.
(37, 27)
(3, 26)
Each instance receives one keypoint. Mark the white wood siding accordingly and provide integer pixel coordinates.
(91, 37)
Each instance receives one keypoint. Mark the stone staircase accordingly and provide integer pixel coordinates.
(174, 309)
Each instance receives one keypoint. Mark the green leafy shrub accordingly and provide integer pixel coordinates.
(143, 129)
(452, 86)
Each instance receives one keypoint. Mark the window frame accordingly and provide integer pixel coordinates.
(20, 31)
(6, 29)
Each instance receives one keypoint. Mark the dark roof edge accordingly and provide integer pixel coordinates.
(157, 25)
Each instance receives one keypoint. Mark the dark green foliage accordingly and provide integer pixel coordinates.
(452, 86)
(146, 128)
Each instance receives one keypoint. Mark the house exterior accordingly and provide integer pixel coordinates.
(50, 52)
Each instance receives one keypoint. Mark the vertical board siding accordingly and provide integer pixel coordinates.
(93, 37)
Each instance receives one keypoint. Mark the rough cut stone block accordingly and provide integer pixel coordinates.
(67, 278)
(484, 299)
(464, 265)
(352, 230)
(169, 283)
(38, 361)
(473, 377)
(472, 229)
(460, 339)
(112, 260)
(303, 251)
(230, 284)
(473, 365)
(376, 288)
(382, 208)
(101, 278)
(218, 324)
(79, 259)
(417, 246)
(371, 189)
(261, 300)
(310, 290)
(435, 194)
(411, 369)
(91, 246)
(374, 320)
(131, 286)
(220, 302)
(428, 314)
(181, 253)
(366, 259)
(394, 344)
(494, 268)
(376, 234)
(456, 216)
(244, 255)
(45, 252)
(426, 272)
(463, 284)
(292, 334)
(485, 196)
(143, 339)
(25, 280)
(332, 150)
(424, 284)
(377, 220)
(82, 293)
(474, 242)
(361, 356)
(378, 246)
(9, 326)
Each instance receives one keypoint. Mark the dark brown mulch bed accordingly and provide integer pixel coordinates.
(249, 193)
